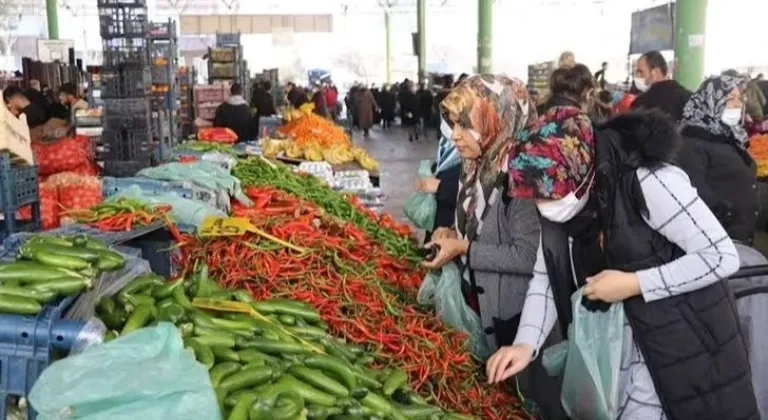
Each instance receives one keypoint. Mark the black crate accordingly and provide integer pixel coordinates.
(125, 52)
(123, 169)
(127, 114)
(127, 144)
(123, 22)
(127, 82)
(162, 30)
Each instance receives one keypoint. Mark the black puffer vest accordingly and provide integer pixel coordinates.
(691, 343)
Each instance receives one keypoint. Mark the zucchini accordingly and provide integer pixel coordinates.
(203, 353)
(42, 296)
(19, 305)
(30, 272)
(63, 286)
(222, 370)
(51, 259)
(28, 251)
(247, 378)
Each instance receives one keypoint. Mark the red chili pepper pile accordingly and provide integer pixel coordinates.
(364, 294)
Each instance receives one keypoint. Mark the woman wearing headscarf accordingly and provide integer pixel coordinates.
(622, 224)
(715, 156)
(495, 237)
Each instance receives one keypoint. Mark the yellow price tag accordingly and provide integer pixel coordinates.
(225, 226)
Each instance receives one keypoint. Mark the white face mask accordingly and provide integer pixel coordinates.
(731, 116)
(566, 208)
(641, 84)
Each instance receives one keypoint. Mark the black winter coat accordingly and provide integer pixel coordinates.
(726, 178)
(668, 96)
(237, 118)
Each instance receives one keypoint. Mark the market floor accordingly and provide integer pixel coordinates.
(399, 163)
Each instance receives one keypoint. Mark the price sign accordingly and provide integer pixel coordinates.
(224, 226)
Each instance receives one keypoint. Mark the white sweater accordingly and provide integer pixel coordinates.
(675, 211)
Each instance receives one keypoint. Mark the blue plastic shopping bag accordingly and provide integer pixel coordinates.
(421, 207)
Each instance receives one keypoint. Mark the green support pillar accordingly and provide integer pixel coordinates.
(422, 24)
(388, 52)
(484, 36)
(690, 39)
(51, 9)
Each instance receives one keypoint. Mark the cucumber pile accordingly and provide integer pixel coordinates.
(279, 364)
(49, 267)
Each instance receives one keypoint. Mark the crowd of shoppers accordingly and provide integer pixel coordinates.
(648, 200)
(39, 103)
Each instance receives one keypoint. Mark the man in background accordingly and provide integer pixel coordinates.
(235, 114)
(600, 75)
(658, 91)
(70, 97)
(18, 103)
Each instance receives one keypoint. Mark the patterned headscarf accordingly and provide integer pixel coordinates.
(706, 106)
(497, 108)
(553, 156)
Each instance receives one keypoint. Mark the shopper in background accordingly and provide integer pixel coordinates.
(387, 104)
(35, 95)
(619, 221)
(366, 106)
(318, 99)
(658, 91)
(235, 114)
(70, 97)
(296, 95)
(715, 157)
(567, 60)
(426, 102)
(264, 102)
(331, 99)
(410, 108)
(600, 75)
(18, 103)
(495, 238)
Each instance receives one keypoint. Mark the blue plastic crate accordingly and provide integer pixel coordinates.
(112, 186)
(27, 347)
(18, 188)
(228, 39)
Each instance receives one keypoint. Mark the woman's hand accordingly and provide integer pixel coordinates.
(427, 185)
(612, 286)
(449, 249)
(508, 361)
(444, 233)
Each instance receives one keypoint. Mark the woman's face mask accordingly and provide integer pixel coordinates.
(566, 208)
(731, 116)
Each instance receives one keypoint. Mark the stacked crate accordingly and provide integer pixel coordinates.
(126, 144)
(164, 62)
(185, 80)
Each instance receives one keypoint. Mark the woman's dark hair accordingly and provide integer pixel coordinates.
(572, 82)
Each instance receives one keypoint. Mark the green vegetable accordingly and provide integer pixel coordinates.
(203, 353)
(19, 305)
(114, 320)
(319, 380)
(310, 394)
(308, 331)
(275, 347)
(395, 380)
(242, 409)
(62, 286)
(171, 312)
(333, 366)
(316, 412)
(140, 317)
(110, 335)
(179, 295)
(287, 407)
(42, 296)
(284, 308)
(28, 250)
(55, 260)
(418, 411)
(247, 378)
(251, 355)
(222, 370)
(217, 339)
(106, 304)
(287, 319)
(31, 272)
(365, 379)
(143, 284)
(166, 290)
(359, 393)
(231, 333)
(225, 354)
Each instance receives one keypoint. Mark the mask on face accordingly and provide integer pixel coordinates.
(731, 116)
(566, 208)
(641, 84)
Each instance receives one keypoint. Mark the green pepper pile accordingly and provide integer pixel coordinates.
(50, 267)
(279, 363)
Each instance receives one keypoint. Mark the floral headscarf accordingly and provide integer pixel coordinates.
(706, 106)
(497, 108)
(553, 156)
